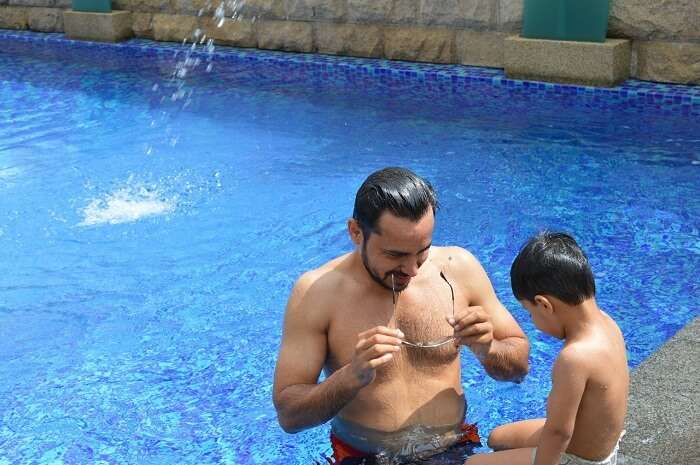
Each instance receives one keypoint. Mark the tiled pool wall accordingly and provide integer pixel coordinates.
(431, 79)
(665, 41)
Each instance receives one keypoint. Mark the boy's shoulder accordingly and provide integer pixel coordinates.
(575, 357)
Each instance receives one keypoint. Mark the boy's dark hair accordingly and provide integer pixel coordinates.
(398, 190)
(553, 264)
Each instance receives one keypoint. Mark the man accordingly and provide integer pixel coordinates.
(385, 322)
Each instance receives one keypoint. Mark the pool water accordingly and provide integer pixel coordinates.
(151, 228)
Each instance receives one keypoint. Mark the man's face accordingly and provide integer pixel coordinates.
(399, 248)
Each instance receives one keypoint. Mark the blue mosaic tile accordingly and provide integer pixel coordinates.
(418, 77)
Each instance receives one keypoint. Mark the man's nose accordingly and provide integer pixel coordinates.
(410, 267)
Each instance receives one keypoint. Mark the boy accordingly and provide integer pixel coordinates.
(586, 407)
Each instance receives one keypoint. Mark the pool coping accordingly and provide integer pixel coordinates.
(642, 96)
(663, 418)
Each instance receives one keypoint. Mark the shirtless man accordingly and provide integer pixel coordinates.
(393, 383)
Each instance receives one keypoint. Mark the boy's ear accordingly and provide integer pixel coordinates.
(355, 231)
(544, 303)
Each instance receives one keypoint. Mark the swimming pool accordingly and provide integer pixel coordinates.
(151, 227)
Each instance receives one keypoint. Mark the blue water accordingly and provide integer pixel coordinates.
(149, 239)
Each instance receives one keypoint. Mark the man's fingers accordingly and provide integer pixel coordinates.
(473, 330)
(468, 318)
(379, 350)
(394, 332)
(366, 343)
(380, 361)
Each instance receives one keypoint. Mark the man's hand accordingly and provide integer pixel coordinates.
(473, 328)
(375, 347)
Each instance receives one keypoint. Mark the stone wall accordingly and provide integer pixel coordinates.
(665, 33)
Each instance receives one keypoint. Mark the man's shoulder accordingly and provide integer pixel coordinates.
(454, 258)
(323, 281)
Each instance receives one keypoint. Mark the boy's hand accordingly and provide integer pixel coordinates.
(473, 328)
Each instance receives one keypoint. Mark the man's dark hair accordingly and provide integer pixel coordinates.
(552, 263)
(397, 190)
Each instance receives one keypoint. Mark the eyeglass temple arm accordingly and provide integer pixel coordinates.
(452, 291)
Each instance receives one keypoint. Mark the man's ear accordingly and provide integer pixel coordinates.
(355, 231)
(544, 303)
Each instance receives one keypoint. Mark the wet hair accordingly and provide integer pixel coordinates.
(552, 263)
(397, 190)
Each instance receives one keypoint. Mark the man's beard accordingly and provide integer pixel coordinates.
(375, 276)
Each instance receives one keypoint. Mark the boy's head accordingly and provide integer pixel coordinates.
(551, 264)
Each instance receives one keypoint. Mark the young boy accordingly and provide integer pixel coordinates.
(586, 407)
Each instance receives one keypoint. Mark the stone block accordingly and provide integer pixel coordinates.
(31, 3)
(174, 28)
(404, 12)
(510, 15)
(12, 17)
(349, 39)
(435, 45)
(441, 12)
(658, 19)
(291, 36)
(668, 62)
(45, 19)
(150, 6)
(256, 9)
(369, 11)
(68, 4)
(588, 63)
(480, 48)
(103, 27)
(193, 7)
(142, 24)
(333, 10)
(479, 14)
(475, 14)
(237, 33)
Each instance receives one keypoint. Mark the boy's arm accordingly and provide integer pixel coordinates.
(568, 384)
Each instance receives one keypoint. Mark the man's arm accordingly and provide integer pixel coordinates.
(486, 326)
(302, 402)
(568, 384)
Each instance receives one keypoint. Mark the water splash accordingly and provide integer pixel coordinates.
(127, 204)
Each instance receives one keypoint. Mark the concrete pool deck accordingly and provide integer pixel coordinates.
(663, 420)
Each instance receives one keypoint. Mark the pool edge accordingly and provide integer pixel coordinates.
(663, 418)
(641, 96)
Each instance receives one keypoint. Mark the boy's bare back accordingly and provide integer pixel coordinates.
(597, 358)
(586, 408)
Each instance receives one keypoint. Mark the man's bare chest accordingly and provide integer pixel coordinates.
(421, 316)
